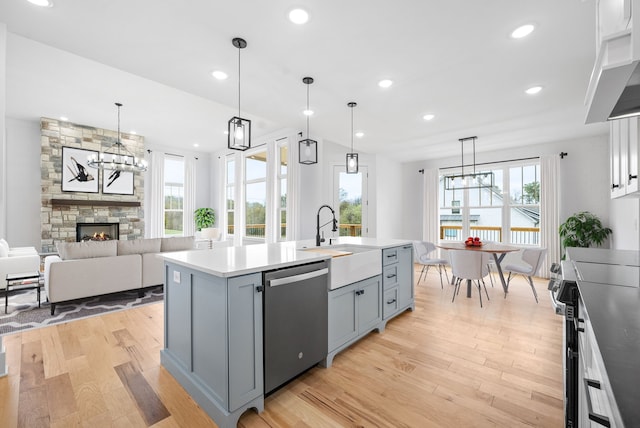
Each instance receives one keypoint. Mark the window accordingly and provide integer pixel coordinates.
(173, 195)
(283, 159)
(255, 206)
(351, 201)
(488, 213)
(256, 190)
(230, 193)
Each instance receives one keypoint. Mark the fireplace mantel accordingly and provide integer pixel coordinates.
(84, 202)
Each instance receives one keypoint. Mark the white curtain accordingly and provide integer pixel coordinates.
(156, 210)
(430, 210)
(189, 202)
(549, 211)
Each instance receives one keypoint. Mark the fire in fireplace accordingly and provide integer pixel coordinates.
(97, 231)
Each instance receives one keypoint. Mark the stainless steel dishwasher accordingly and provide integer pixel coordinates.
(295, 321)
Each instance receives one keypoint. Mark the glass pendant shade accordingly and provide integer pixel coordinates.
(307, 148)
(307, 151)
(352, 163)
(239, 128)
(352, 158)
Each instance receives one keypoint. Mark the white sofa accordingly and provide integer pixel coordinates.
(17, 260)
(92, 268)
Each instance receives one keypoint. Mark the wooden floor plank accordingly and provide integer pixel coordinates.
(445, 364)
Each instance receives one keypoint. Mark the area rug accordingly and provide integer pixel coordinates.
(24, 314)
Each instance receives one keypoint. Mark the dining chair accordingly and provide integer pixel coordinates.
(422, 251)
(471, 266)
(532, 258)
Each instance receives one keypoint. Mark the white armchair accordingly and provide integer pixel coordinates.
(16, 260)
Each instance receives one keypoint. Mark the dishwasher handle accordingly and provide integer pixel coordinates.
(296, 278)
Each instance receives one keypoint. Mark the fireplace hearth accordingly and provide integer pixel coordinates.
(97, 231)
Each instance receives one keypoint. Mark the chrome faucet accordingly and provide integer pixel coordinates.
(333, 229)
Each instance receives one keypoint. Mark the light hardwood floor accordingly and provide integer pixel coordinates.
(445, 364)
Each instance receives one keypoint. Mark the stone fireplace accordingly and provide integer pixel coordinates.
(97, 231)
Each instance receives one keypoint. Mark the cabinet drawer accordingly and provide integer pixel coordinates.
(389, 256)
(390, 276)
(389, 303)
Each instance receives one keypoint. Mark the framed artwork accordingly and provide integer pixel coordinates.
(116, 182)
(77, 175)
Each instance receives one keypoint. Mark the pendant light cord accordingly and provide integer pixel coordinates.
(239, 49)
(351, 129)
(308, 112)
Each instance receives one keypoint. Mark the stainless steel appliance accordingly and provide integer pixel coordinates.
(295, 321)
(563, 288)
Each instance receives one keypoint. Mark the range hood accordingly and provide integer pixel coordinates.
(614, 87)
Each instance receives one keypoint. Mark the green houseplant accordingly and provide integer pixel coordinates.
(204, 218)
(583, 229)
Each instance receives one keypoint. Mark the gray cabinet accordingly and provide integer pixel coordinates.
(354, 310)
(397, 280)
(213, 340)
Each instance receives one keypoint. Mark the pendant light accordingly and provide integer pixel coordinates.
(352, 158)
(307, 148)
(239, 129)
(117, 157)
(475, 180)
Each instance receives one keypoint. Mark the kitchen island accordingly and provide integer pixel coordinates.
(214, 316)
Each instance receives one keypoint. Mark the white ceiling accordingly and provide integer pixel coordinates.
(452, 58)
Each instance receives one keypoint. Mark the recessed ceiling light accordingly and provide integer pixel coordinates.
(64, 118)
(533, 90)
(385, 83)
(196, 145)
(41, 3)
(307, 112)
(428, 116)
(299, 16)
(220, 75)
(523, 31)
(359, 134)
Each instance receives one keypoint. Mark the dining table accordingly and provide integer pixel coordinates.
(499, 251)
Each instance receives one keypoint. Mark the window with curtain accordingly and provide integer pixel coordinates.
(173, 195)
(508, 212)
(255, 190)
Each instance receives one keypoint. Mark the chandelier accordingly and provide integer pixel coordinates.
(117, 157)
(239, 128)
(474, 180)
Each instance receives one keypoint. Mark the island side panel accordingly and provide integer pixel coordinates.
(177, 308)
(246, 379)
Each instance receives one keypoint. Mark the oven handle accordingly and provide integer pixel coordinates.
(296, 278)
(558, 307)
(595, 417)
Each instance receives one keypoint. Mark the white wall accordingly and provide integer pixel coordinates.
(390, 197)
(23, 189)
(584, 178)
(3, 145)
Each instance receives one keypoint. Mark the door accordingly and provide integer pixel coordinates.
(352, 201)
(342, 316)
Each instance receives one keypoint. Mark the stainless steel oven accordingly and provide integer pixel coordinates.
(563, 289)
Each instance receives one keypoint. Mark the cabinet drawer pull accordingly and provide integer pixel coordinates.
(599, 419)
(259, 288)
(390, 256)
(393, 275)
(359, 292)
(580, 329)
(614, 186)
(391, 301)
(633, 177)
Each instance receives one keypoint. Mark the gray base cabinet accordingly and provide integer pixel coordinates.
(354, 310)
(222, 371)
(397, 281)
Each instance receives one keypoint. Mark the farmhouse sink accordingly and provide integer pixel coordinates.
(350, 263)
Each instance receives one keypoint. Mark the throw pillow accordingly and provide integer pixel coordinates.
(87, 249)
(3, 251)
(4, 244)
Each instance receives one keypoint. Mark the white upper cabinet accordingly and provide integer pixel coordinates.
(624, 141)
(617, 57)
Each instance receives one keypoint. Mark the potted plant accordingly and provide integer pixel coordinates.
(583, 229)
(205, 218)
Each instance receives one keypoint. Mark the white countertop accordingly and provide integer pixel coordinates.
(235, 261)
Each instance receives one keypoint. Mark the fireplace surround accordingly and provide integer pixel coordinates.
(97, 231)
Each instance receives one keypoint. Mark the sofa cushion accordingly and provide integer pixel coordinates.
(87, 249)
(139, 246)
(178, 243)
